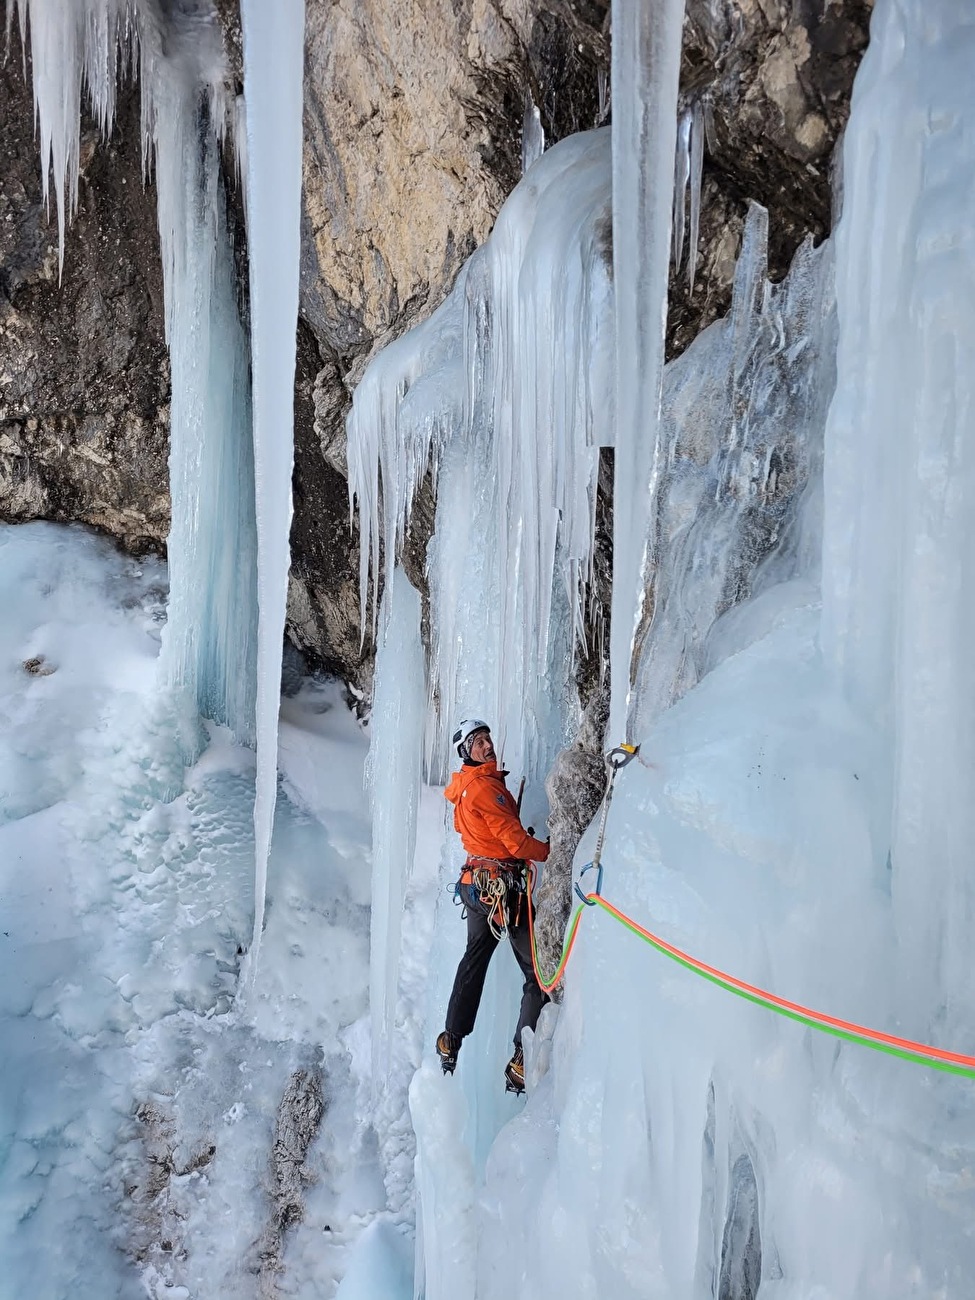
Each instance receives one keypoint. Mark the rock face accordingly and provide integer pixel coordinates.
(84, 373)
(413, 118)
(773, 79)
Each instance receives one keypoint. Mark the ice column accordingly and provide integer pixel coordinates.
(645, 67)
(208, 653)
(208, 649)
(899, 547)
(395, 758)
(273, 81)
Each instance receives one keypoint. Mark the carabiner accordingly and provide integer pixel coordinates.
(621, 755)
(599, 882)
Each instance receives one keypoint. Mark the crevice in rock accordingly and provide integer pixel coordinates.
(741, 1246)
(299, 1119)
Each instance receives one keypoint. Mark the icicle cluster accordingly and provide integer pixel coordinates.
(688, 170)
(505, 393)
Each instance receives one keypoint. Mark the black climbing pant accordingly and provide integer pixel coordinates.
(481, 943)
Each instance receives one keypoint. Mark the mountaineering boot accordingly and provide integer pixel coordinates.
(448, 1045)
(514, 1073)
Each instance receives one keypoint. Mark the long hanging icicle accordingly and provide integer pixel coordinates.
(682, 171)
(696, 174)
(273, 82)
(645, 68)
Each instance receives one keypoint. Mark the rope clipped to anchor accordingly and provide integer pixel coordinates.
(905, 1048)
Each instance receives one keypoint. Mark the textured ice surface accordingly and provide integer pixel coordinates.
(899, 565)
(138, 1096)
(735, 509)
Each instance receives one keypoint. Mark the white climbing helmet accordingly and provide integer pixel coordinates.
(465, 733)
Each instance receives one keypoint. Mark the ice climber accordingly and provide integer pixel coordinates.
(492, 887)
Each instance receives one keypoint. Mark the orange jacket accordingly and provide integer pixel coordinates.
(486, 815)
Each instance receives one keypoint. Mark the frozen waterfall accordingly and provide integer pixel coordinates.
(899, 575)
(798, 817)
(793, 588)
(503, 397)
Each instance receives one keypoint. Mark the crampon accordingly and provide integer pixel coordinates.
(448, 1045)
(514, 1073)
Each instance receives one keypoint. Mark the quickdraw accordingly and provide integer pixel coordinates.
(616, 760)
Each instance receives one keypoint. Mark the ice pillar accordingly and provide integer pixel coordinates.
(645, 68)
(273, 81)
(207, 662)
(395, 759)
(899, 536)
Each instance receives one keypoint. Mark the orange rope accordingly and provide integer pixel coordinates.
(906, 1048)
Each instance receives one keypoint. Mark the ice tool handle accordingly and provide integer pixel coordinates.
(616, 759)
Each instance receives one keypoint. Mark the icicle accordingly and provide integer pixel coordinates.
(646, 61)
(273, 82)
(682, 171)
(602, 91)
(696, 172)
(532, 135)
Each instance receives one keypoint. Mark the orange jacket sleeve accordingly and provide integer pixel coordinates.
(505, 825)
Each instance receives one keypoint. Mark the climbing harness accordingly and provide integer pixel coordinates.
(904, 1048)
(495, 879)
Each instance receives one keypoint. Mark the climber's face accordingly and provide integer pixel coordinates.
(482, 748)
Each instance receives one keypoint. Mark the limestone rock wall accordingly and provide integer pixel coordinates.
(84, 373)
(413, 116)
